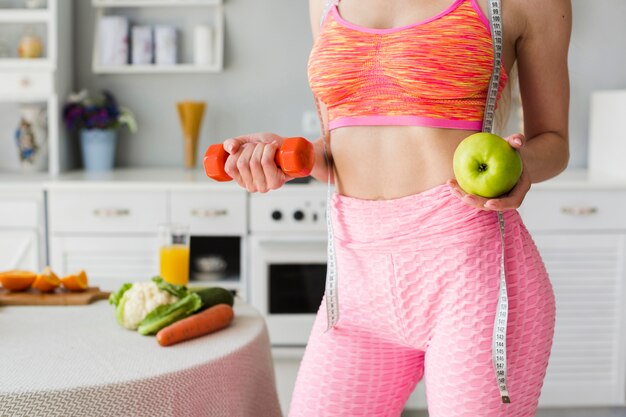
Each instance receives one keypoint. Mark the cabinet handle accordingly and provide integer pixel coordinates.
(209, 213)
(25, 82)
(111, 212)
(579, 211)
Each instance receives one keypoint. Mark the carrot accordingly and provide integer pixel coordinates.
(208, 321)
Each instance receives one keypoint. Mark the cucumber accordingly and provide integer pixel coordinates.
(213, 296)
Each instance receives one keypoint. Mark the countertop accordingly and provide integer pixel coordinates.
(182, 179)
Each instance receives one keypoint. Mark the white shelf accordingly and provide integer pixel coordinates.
(155, 3)
(44, 64)
(24, 98)
(24, 15)
(217, 24)
(156, 69)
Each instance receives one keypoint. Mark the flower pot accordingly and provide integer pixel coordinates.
(98, 148)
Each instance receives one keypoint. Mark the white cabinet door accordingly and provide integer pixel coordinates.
(108, 260)
(587, 365)
(19, 250)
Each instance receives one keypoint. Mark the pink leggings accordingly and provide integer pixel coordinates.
(418, 280)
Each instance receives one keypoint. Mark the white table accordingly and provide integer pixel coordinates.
(77, 361)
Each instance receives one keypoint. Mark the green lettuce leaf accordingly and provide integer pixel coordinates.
(179, 291)
(116, 296)
(164, 315)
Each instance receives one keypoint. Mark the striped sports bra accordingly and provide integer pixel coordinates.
(431, 73)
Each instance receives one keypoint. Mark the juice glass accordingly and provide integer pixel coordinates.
(174, 253)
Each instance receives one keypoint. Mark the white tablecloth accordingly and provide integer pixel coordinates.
(77, 361)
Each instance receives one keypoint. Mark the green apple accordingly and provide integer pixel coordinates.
(486, 165)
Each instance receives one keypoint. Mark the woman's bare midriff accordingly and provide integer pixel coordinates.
(386, 162)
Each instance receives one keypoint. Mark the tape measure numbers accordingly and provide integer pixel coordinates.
(498, 340)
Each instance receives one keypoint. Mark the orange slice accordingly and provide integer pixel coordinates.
(17, 280)
(47, 281)
(76, 282)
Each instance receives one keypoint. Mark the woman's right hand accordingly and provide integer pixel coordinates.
(251, 162)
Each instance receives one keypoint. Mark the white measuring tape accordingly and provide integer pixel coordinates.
(499, 329)
(498, 339)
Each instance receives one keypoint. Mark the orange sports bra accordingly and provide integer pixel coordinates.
(434, 73)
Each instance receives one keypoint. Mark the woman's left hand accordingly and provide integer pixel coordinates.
(508, 201)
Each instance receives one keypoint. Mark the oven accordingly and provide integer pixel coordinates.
(287, 279)
(287, 258)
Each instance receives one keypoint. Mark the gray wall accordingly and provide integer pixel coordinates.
(264, 85)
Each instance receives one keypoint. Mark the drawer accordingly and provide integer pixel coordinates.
(19, 213)
(210, 213)
(107, 211)
(26, 82)
(574, 209)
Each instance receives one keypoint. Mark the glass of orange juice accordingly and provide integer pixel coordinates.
(174, 253)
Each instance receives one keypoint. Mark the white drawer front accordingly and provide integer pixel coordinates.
(108, 260)
(574, 210)
(210, 213)
(107, 211)
(19, 213)
(29, 83)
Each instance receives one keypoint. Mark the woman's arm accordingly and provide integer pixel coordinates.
(544, 86)
(320, 170)
(541, 52)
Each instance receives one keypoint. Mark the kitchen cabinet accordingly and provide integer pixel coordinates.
(22, 234)
(19, 250)
(44, 81)
(581, 236)
(107, 259)
(107, 224)
(112, 234)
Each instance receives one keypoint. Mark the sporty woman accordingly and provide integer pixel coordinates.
(400, 83)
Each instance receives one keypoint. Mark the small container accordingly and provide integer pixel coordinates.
(113, 39)
(141, 45)
(165, 48)
(203, 45)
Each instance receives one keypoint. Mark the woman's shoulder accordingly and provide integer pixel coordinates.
(531, 17)
(316, 8)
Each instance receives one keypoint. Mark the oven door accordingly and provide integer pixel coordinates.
(287, 277)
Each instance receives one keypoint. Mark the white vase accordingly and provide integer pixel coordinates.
(31, 138)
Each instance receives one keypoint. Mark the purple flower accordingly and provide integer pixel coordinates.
(102, 112)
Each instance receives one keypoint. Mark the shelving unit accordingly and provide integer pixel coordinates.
(46, 80)
(104, 7)
(25, 16)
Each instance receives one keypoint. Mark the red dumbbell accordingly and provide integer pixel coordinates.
(295, 158)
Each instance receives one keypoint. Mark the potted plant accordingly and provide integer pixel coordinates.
(98, 120)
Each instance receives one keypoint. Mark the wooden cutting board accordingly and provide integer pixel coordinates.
(56, 298)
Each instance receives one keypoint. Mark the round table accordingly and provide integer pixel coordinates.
(77, 361)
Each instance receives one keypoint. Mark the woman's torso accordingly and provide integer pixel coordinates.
(385, 162)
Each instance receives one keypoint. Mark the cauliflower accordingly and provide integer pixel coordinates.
(139, 300)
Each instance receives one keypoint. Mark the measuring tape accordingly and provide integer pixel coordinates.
(498, 346)
(332, 302)
(498, 339)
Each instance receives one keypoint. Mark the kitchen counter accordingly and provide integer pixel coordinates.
(183, 179)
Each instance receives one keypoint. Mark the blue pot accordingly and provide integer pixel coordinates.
(98, 148)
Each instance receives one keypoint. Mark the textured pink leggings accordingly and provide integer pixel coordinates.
(418, 280)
